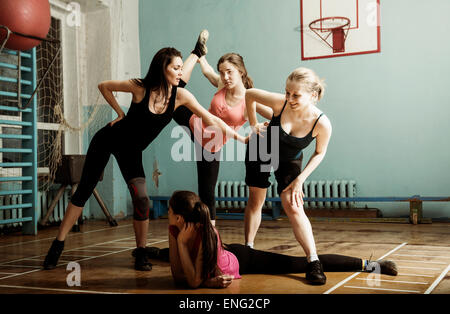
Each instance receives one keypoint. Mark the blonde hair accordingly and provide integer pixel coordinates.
(309, 80)
(238, 62)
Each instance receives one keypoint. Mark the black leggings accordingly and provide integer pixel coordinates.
(207, 171)
(97, 157)
(253, 261)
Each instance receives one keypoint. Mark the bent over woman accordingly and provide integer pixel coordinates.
(155, 98)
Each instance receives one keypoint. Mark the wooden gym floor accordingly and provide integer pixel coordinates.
(422, 254)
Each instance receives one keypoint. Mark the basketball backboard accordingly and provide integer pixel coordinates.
(322, 37)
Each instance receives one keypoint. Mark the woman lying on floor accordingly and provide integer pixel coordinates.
(198, 257)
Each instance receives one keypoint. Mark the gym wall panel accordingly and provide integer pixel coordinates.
(389, 110)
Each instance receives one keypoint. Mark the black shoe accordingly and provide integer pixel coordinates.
(200, 47)
(51, 260)
(141, 262)
(314, 273)
(151, 251)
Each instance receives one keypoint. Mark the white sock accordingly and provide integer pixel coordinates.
(312, 258)
(250, 244)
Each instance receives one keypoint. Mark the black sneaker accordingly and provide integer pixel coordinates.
(314, 273)
(141, 262)
(151, 251)
(51, 260)
(200, 47)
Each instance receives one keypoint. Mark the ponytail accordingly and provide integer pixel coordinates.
(209, 240)
(247, 80)
(310, 80)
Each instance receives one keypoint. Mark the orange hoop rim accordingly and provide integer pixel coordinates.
(329, 29)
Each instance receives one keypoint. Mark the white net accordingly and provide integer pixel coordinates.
(52, 122)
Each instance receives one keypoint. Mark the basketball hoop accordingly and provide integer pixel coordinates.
(336, 25)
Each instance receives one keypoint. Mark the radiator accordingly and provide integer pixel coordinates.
(44, 200)
(10, 214)
(312, 189)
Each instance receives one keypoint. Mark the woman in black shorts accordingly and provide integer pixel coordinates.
(296, 122)
(155, 98)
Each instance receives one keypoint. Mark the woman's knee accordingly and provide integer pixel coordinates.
(140, 199)
(256, 199)
(291, 208)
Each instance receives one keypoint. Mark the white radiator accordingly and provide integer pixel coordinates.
(10, 214)
(44, 200)
(315, 189)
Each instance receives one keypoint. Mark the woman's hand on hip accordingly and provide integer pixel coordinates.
(116, 120)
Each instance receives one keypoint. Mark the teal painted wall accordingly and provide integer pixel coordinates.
(389, 110)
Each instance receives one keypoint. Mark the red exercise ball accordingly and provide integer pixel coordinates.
(28, 17)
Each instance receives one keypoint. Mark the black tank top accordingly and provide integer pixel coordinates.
(291, 147)
(140, 126)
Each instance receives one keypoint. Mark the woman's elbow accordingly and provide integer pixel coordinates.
(101, 86)
(194, 284)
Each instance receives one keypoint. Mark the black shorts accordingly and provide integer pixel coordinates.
(256, 174)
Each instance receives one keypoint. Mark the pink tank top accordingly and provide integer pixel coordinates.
(233, 116)
(226, 261)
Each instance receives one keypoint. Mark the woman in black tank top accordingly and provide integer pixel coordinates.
(296, 122)
(155, 98)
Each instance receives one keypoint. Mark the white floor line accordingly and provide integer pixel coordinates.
(25, 266)
(119, 247)
(70, 235)
(397, 281)
(61, 290)
(412, 255)
(79, 248)
(430, 246)
(425, 262)
(41, 269)
(125, 249)
(427, 268)
(21, 274)
(432, 253)
(43, 259)
(426, 251)
(99, 251)
(414, 275)
(438, 280)
(384, 289)
(8, 273)
(356, 274)
(76, 255)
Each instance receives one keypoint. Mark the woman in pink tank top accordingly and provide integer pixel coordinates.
(228, 103)
(198, 257)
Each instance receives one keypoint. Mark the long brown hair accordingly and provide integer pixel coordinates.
(238, 62)
(189, 205)
(155, 78)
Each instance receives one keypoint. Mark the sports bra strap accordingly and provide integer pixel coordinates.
(284, 106)
(316, 122)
